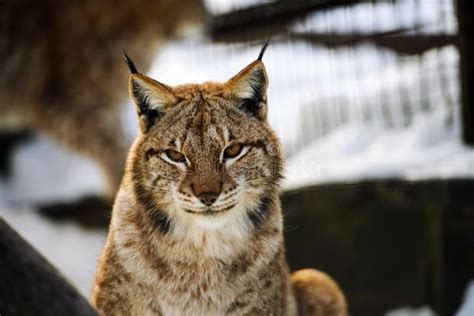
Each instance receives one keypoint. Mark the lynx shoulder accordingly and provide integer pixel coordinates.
(197, 226)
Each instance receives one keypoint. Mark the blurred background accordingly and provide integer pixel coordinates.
(374, 104)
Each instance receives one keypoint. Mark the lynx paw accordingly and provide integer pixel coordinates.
(317, 294)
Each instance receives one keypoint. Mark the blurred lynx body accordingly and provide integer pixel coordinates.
(197, 226)
(61, 71)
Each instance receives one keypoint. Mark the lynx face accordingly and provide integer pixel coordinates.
(205, 155)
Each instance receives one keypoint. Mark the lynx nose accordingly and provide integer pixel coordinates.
(207, 198)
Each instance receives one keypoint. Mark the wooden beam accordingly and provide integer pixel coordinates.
(397, 40)
(268, 16)
(29, 285)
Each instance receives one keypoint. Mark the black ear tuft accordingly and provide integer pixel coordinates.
(264, 48)
(129, 63)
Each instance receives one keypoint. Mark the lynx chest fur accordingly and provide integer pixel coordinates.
(197, 227)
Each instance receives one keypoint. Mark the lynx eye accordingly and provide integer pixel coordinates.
(233, 150)
(175, 156)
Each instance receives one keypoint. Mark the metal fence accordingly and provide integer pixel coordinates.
(334, 63)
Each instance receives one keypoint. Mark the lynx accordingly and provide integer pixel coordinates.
(60, 73)
(197, 226)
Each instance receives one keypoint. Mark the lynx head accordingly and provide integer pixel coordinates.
(205, 154)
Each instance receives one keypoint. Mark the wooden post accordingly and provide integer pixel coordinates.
(29, 285)
(465, 14)
(388, 243)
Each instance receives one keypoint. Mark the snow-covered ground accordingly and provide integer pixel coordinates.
(329, 108)
(425, 150)
(35, 181)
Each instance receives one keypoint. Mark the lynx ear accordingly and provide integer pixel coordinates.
(151, 99)
(249, 86)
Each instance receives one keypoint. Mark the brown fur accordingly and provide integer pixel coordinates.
(62, 72)
(317, 294)
(169, 253)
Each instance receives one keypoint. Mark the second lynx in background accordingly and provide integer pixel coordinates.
(62, 72)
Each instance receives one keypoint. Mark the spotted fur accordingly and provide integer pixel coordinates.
(199, 231)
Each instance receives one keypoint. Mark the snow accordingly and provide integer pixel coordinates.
(383, 16)
(425, 150)
(225, 6)
(408, 311)
(467, 307)
(43, 171)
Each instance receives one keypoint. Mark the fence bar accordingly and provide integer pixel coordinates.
(465, 13)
